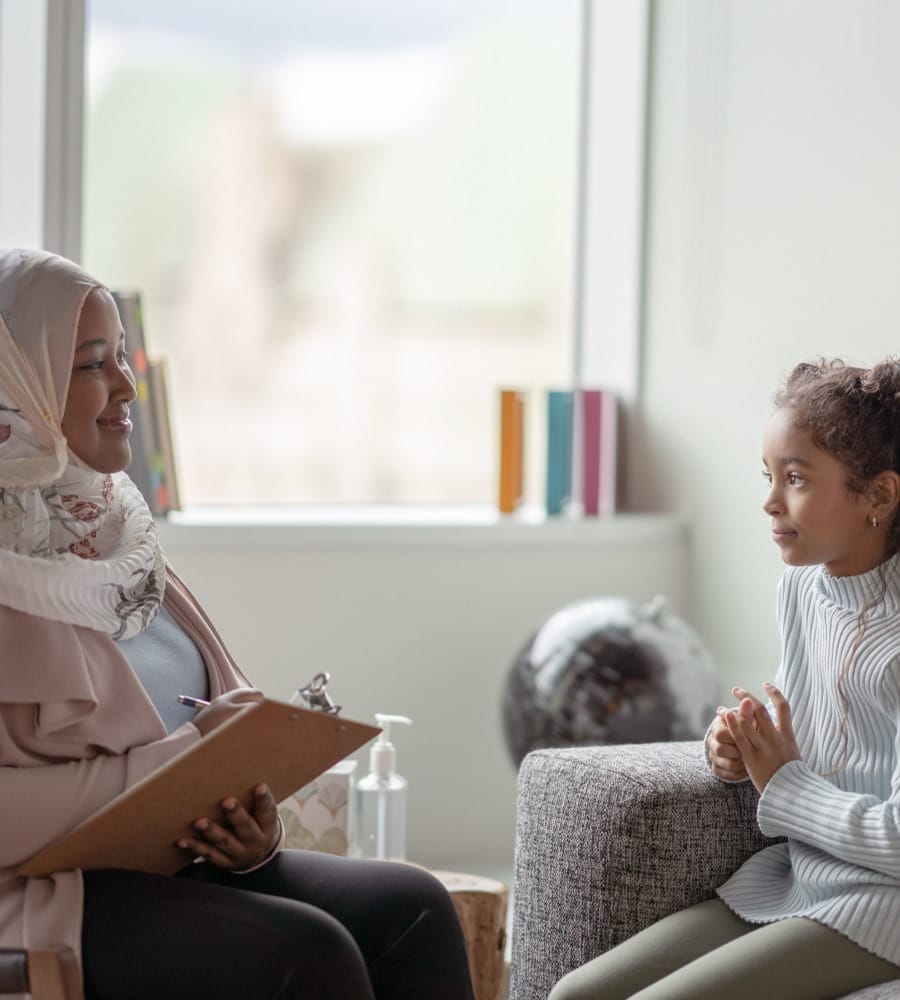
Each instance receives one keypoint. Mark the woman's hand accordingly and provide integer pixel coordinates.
(725, 759)
(221, 709)
(764, 745)
(239, 840)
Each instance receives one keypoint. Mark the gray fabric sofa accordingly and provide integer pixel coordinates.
(610, 839)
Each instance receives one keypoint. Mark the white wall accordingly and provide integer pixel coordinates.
(773, 237)
(424, 622)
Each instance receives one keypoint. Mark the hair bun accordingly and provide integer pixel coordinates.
(883, 382)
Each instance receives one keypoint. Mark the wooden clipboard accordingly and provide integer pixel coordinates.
(283, 745)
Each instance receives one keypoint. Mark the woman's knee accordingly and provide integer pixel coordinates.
(418, 887)
(327, 963)
(404, 895)
(421, 937)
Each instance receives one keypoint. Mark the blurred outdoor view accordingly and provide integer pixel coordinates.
(350, 221)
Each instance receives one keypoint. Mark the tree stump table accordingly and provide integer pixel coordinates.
(481, 904)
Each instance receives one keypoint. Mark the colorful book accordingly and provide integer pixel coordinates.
(559, 450)
(147, 468)
(600, 451)
(590, 448)
(512, 449)
(159, 394)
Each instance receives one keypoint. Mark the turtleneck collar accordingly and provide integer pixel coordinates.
(855, 592)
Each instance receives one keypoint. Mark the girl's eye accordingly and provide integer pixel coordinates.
(92, 366)
(793, 479)
(767, 476)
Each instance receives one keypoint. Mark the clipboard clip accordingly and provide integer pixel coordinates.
(314, 695)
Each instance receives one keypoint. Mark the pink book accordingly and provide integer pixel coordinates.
(600, 451)
(590, 444)
(609, 452)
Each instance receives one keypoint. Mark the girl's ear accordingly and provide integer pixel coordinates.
(884, 493)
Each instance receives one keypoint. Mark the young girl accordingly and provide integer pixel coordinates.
(97, 638)
(817, 915)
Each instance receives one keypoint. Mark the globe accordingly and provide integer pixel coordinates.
(609, 670)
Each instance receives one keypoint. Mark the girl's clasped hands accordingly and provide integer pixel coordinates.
(746, 742)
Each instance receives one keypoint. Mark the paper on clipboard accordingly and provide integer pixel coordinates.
(269, 741)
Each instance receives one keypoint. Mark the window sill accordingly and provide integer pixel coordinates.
(473, 525)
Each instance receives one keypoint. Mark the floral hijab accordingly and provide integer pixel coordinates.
(76, 545)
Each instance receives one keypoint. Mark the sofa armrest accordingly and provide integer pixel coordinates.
(610, 839)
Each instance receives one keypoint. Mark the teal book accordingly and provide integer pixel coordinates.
(559, 450)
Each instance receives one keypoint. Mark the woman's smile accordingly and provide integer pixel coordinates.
(121, 423)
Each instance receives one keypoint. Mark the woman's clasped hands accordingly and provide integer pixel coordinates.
(746, 742)
(240, 839)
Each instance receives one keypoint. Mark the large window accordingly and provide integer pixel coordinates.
(351, 223)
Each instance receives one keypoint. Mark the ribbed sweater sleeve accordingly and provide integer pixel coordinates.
(860, 829)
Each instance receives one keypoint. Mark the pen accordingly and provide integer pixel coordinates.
(186, 699)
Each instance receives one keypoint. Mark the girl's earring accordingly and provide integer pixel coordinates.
(874, 521)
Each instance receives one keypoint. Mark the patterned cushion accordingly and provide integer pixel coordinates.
(611, 839)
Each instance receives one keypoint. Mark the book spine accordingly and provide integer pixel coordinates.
(147, 467)
(609, 453)
(512, 449)
(559, 450)
(159, 392)
(590, 451)
(139, 468)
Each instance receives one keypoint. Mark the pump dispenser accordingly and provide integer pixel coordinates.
(381, 798)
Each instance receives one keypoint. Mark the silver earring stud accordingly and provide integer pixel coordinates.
(874, 521)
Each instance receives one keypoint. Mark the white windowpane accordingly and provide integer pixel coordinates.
(350, 222)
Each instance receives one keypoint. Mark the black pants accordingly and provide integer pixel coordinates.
(307, 925)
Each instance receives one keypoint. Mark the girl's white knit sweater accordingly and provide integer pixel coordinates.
(840, 806)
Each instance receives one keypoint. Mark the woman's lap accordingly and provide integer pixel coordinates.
(306, 925)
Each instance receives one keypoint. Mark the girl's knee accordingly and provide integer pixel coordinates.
(597, 978)
(572, 987)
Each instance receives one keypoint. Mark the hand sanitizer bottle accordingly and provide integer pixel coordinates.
(381, 799)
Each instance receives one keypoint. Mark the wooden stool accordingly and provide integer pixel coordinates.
(481, 904)
(42, 973)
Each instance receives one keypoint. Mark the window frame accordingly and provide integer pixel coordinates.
(609, 214)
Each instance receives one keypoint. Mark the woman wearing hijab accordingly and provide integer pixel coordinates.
(97, 638)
